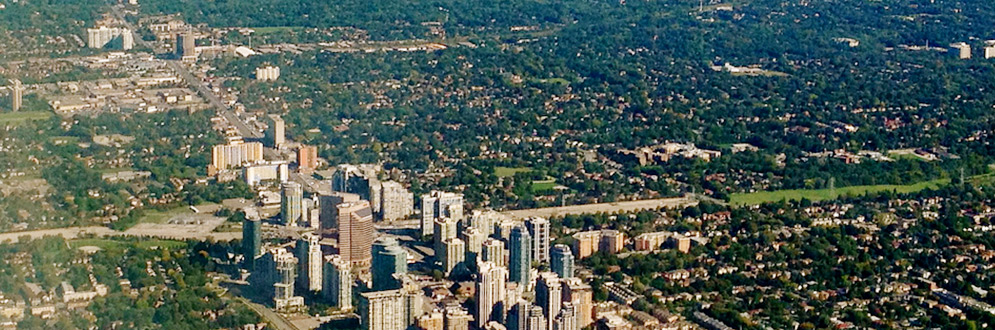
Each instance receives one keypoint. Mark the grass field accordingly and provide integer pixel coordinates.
(154, 216)
(824, 194)
(276, 29)
(112, 244)
(503, 172)
(22, 116)
(543, 185)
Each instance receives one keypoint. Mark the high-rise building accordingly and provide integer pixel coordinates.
(268, 73)
(581, 296)
(502, 229)
(961, 49)
(291, 203)
(389, 260)
(307, 159)
(493, 251)
(491, 293)
(396, 202)
(382, 310)
(535, 319)
(312, 214)
(989, 51)
(474, 240)
(437, 205)
(251, 241)
(266, 171)
(443, 229)
(486, 220)
(549, 296)
(539, 230)
(520, 256)
(276, 134)
(355, 223)
(276, 272)
(518, 315)
(561, 261)
(110, 37)
(457, 319)
(361, 180)
(431, 321)
(328, 216)
(567, 319)
(453, 254)
(413, 298)
(16, 95)
(309, 256)
(587, 243)
(337, 287)
(186, 46)
(225, 156)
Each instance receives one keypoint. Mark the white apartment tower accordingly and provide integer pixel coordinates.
(438, 204)
(539, 229)
(491, 292)
(396, 202)
(309, 254)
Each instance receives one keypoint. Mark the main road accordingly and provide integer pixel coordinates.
(559, 211)
(223, 109)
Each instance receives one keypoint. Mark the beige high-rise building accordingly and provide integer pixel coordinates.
(651, 241)
(276, 133)
(443, 229)
(310, 261)
(431, 321)
(396, 202)
(581, 295)
(291, 203)
(535, 319)
(961, 49)
(438, 204)
(567, 319)
(226, 156)
(16, 95)
(493, 251)
(337, 278)
(267, 73)
(549, 296)
(486, 220)
(355, 224)
(382, 310)
(457, 319)
(329, 213)
(186, 46)
(474, 241)
(490, 292)
(453, 253)
(101, 36)
(589, 242)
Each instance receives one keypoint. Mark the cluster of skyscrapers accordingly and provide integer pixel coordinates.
(496, 253)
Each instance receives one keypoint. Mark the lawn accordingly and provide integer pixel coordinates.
(112, 244)
(277, 29)
(504, 172)
(156, 216)
(105, 244)
(823, 194)
(543, 185)
(22, 116)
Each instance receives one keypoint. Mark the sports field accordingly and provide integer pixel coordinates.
(823, 194)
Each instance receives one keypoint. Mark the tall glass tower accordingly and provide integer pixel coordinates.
(520, 256)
